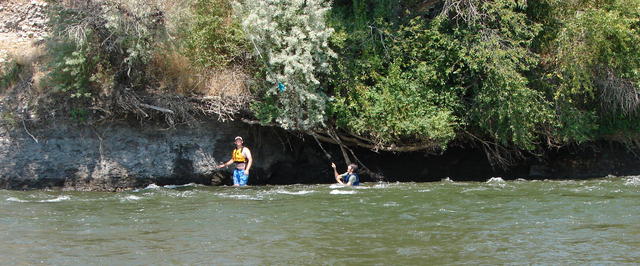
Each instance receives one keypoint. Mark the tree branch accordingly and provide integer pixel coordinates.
(391, 148)
(29, 133)
(164, 110)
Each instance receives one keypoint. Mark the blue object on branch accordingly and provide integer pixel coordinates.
(281, 87)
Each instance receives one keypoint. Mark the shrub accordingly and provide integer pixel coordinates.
(9, 74)
(291, 41)
(213, 37)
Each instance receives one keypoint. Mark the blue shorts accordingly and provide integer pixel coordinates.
(239, 178)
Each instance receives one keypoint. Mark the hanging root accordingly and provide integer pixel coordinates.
(321, 147)
(498, 155)
(464, 10)
(336, 139)
(29, 133)
(361, 142)
(617, 95)
(173, 109)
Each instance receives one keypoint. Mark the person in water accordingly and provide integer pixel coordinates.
(241, 156)
(350, 178)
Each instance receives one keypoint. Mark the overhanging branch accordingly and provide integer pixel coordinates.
(354, 140)
(164, 110)
(391, 148)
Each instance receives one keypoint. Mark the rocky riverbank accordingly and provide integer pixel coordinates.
(120, 156)
(117, 156)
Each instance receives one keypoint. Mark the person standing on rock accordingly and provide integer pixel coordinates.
(241, 156)
(350, 178)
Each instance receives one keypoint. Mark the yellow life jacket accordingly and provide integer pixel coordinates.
(237, 156)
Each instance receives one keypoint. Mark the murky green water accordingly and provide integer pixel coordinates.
(548, 222)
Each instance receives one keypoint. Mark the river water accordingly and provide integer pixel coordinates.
(495, 222)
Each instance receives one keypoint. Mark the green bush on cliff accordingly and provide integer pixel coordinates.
(71, 69)
(516, 74)
(290, 40)
(427, 81)
(9, 74)
(592, 62)
(214, 37)
(404, 96)
(97, 48)
(497, 55)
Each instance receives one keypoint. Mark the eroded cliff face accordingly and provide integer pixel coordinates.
(120, 156)
(117, 156)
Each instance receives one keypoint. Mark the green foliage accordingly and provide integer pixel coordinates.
(8, 118)
(516, 73)
(214, 38)
(576, 125)
(405, 96)
(421, 82)
(266, 110)
(590, 51)
(79, 114)
(595, 41)
(290, 39)
(71, 70)
(98, 47)
(497, 55)
(619, 125)
(397, 109)
(9, 74)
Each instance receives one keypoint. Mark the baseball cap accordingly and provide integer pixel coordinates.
(238, 138)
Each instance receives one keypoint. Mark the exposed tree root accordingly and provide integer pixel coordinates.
(360, 143)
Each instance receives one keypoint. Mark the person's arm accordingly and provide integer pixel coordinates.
(225, 164)
(249, 159)
(335, 173)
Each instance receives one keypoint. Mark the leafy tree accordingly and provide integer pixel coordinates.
(497, 37)
(290, 38)
(425, 81)
(590, 54)
(389, 73)
(409, 96)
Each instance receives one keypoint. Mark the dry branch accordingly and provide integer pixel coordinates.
(617, 94)
(497, 155)
(164, 110)
(29, 133)
(465, 10)
(390, 148)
